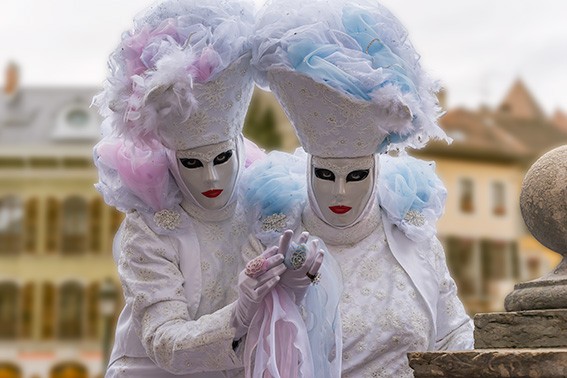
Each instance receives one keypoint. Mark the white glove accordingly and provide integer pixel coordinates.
(254, 282)
(302, 269)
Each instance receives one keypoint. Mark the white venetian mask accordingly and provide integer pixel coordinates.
(209, 173)
(342, 187)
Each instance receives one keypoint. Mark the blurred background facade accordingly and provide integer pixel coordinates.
(59, 292)
(56, 234)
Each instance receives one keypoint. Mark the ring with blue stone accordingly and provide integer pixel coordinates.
(296, 256)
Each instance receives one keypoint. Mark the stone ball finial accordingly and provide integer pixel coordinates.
(543, 203)
(543, 200)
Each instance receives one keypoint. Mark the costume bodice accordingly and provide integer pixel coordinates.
(383, 315)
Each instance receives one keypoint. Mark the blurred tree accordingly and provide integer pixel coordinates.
(260, 125)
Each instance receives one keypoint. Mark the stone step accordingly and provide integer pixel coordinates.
(521, 329)
(520, 363)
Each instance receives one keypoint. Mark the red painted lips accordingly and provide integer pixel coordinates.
(213, 193)
(340, 209)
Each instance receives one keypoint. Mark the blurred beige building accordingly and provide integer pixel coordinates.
(487, 245)
(55, 234)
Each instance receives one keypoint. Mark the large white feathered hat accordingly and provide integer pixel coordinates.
(181, 75)
(347, 77)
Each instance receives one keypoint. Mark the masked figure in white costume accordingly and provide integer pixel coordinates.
(351, 84)
(171, 159)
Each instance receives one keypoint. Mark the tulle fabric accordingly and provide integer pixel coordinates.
(134, 177)
(253, 152)
(282, 341)
(357, 47)
(277, 345)
(274, 185)
(173, 44)
(410, 185)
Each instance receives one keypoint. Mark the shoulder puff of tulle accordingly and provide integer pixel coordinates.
(138, 179)
(274, 193)
(411, 195)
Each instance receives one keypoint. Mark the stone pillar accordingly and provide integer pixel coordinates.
(530, 339)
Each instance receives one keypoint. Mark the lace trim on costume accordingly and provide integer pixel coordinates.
(346, 236)
(209, 155)
(209, 215)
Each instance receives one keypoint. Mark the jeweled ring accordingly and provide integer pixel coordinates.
(297, 257)
(315, 278)
(256, 266)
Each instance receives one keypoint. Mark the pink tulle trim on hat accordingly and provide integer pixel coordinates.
(253, 152)
(144, 170)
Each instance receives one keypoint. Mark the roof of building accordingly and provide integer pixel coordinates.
(49, 116)
(559, 120)
(517, 131)
(519, 103)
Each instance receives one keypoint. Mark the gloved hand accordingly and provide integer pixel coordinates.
(301, 271)
(254, 282)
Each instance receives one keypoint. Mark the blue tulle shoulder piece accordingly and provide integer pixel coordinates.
(411, 194)
(274, 194)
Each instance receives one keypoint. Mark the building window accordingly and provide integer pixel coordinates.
(500, 263)
(96, 225)
(69, 369)
(466, 201)
(9, 370)
(93, 293)
(461, 262)
(498, 200)
(75, 226)
(70, 311)
(48, 311)
(52, 225)
(11, 225)
(28, 298)
(8, 310)
(31, 225)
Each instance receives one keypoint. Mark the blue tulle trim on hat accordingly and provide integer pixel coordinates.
(357, 48)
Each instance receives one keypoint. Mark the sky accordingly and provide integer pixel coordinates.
(477, 49)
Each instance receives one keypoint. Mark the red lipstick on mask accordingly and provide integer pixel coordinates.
(213, 193)
(340, 209)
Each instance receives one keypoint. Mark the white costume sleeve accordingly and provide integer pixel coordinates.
(454, 326)
(153, 284)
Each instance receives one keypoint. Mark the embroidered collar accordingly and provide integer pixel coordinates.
(346, 236)
(209, 215)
